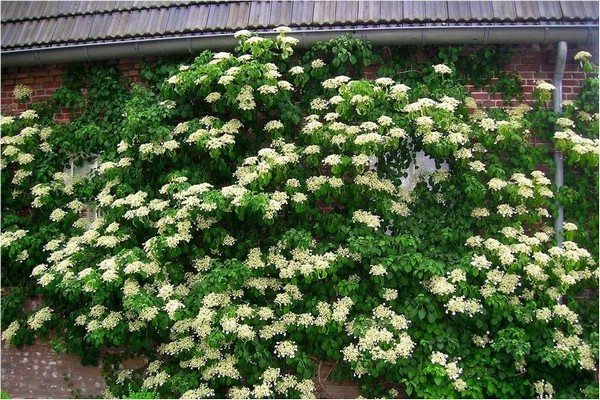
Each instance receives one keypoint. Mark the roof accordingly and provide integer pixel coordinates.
(46, 23)
(43, 25)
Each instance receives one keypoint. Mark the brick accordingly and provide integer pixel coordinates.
(38, 73)
(525, 68)
(571, 82)
(533, 59)
(480, 96)
(527, 75)
(53, 85)
(45, 79)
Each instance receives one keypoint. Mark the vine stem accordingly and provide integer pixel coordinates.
(321, 382)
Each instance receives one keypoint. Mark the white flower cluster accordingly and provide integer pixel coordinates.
(336, 82)
(37, 320)
(576, 146)
(8, 237)
(440, 286)
(499, 281)
(544, 389)
(202, 392)
(442, 69)
(303, 261)
(582, 55)
(545, 86)
(371, 180)
(286, 349)
(365, 217)
(377, 270)
(481, 340)
(28, 114)
(277, 157)
(11, 331)
(22, 92)
(451, 369)
(461, 305)
(381, 338)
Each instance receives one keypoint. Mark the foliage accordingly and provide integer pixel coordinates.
(481, 67)
(255, 212)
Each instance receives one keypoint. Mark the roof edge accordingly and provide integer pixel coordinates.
(194, 44)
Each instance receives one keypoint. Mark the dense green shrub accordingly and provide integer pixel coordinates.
(256, 215)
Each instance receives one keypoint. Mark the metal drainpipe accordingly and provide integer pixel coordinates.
(559, 69)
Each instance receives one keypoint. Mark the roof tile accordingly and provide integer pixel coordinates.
(100, 26)
(591, 9)
(324, 13)
(392, 11)
(551, 10)
(481, 10)
(10, 10)
(260, 13)
(414, 10)
(281, 14)
(62, 33)
(83, 27)
(118, 25)
(157, 22)
(34, 8)
(504, 10)
(86, 7)
(436, 10)
(120, 6)
(137, 24)
(527, 10)
(196, 20)
(459, 11)
(27, 33)
(67, 8)
(369, 11)
(217, 16)
(8, 32)
(44, 31)
(178, 17)
(302, 12)
(49, 8)
(575, 9)
(238, 16)
(346, 12)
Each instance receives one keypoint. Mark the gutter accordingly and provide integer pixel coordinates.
(378, 36)
(559, 69)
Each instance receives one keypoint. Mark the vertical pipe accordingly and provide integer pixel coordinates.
(559, 70)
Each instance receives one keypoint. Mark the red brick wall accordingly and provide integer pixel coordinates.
(536, 62)
(44, 80)
(37, 372)
(532, 62)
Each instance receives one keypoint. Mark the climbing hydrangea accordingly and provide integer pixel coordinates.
(262, 214)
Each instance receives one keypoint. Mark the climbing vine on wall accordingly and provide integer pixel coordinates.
(251, 213)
